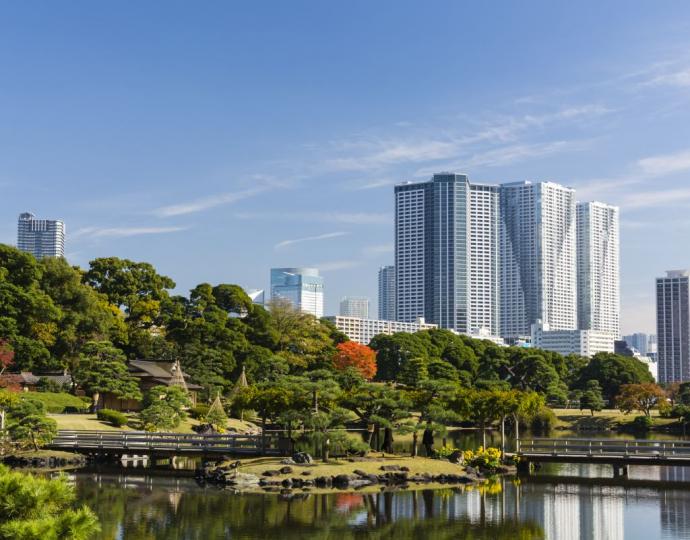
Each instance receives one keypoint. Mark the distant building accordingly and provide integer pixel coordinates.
(581, 342)
(302, 287)
(40, 237)
(673, 326)
(447, 253)
(387, 293)
(257, 296)
(639, 341)
(598, 268)
(538, 257)
(354, 306)
(363, 330)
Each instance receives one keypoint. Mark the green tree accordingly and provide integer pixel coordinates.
(414, 371)
(33, 429)
(101, 368)
(592, 397)
(612, 371)
(42, 508)
(394, 351)
(164, 408)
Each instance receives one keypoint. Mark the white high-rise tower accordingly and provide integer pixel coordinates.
(447, 253)
(598, 268)
(538, 257)
(387, 293)
(40, 237)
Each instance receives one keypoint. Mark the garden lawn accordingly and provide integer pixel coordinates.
(607, 419)
(90, 422)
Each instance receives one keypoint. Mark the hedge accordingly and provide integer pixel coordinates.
(116, 418)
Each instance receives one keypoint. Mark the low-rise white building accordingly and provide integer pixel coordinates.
(581, 342)
(363, 330)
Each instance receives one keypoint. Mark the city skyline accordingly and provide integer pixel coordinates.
(270, 144)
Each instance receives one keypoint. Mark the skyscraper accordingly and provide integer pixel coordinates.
(538, 257)
(446, 253)
(598, 270)
(40, 237)
(303, 287)
(387, 293)
(354, 306)
(640, 341)
(673, 326)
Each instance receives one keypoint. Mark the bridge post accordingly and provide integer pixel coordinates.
(620, 470)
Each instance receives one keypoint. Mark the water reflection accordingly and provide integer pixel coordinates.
(141, 505)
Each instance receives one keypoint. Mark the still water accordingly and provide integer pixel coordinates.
(559, 502)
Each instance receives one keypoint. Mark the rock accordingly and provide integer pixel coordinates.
(270, 473)
(455, 457)
(405, 468)
(306, 473)
(323, 481)
(302, 458)
(286, 470)
(390, 467)
(360, 473)
(287, 461)
(287, 483)
(341, 480)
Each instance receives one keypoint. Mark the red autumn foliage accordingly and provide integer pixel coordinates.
(360, 357)
(6, 355)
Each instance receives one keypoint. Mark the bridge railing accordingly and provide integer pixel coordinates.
(603, 447)
(148, 442)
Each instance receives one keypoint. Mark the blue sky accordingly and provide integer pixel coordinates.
(218, 139)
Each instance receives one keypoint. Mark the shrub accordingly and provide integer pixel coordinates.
(445, 451)
(116, 418)
(543, 421)
(489, 458)
(642, 423)
(199, 412)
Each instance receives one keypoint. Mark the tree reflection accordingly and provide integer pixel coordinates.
(153, 510)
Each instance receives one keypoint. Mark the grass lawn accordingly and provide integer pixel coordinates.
(602, 420)
(90, 422)
(372, 465)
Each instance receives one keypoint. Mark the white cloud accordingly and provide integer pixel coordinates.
(291, 242)
(373, 184)
(332, 266)
(446, 142)
(351, 218)
(679, 78)
(121, 232)
(205, 203)
(647, 199)
(665, 164)
(378, 249)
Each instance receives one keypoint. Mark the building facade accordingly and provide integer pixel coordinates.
(538, 257)
(598, 267)
(447, 253)
(302, 287)
(354, 306)
(363, 330)
(40, 237)
(673, 326)
(580, 342)
(387, 293)
(640, 342)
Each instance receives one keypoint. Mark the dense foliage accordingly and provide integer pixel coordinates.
(36, 508)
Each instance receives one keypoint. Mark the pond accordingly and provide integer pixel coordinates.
(559, 502)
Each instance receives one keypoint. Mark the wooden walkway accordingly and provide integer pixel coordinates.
(617, 452)
(141, 443)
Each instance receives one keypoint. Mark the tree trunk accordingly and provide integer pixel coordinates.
(503, 434)
(96, 398)
(2, 421)
(483, 435)
(517, 428)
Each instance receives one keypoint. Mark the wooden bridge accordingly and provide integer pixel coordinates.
(142, 443)
(617, 452)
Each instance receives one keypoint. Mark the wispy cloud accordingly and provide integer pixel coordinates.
(648, 199)
(350, 218)
(331, 266)
(122, 232)
(643, 169)
(206, 203)
(378, 249)
(434, 144)
(293, 241)
(373, 184)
